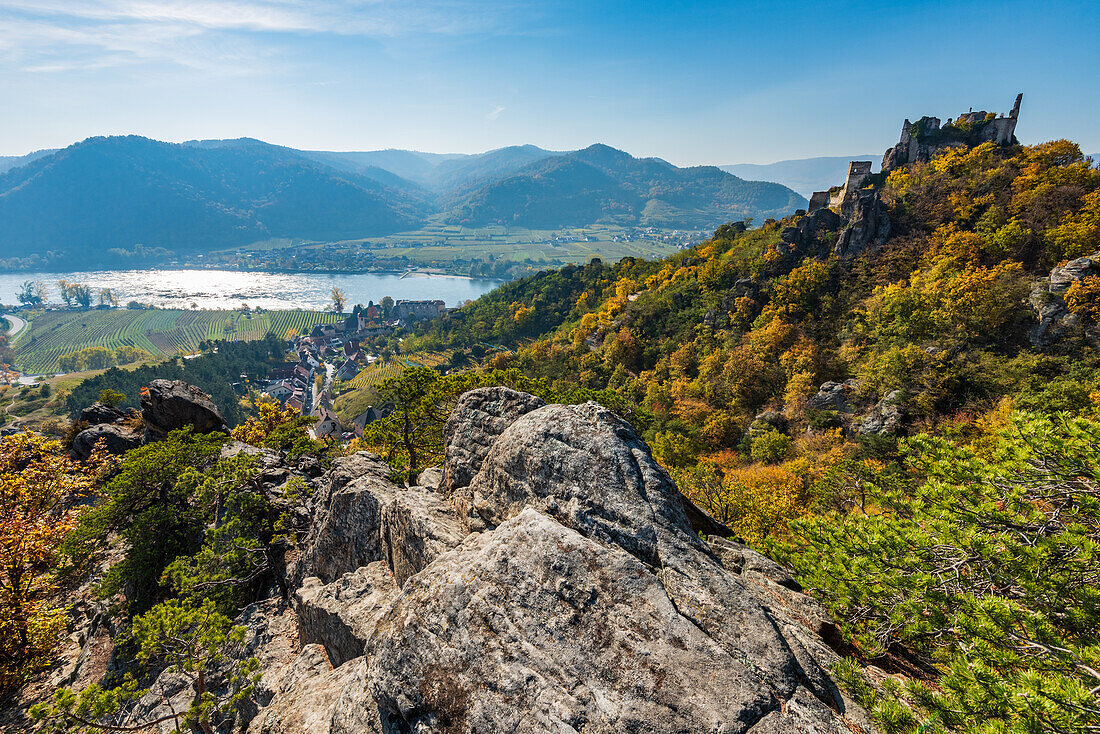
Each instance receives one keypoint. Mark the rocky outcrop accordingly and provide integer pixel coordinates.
(97, 413)
(810, 236)
(538, 627)
(836, 396)
(168, 405)
(474, 424)
(417, 526)
(558, 584)
(867, 225)
(308, 694)
(1048, 299)
(884, 419)
(116, 440)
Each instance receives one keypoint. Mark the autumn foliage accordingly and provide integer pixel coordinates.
(39, 491)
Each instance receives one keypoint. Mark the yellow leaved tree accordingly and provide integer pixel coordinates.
(40, 488)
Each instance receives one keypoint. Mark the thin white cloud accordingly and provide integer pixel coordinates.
(45, 35)
(495, 113)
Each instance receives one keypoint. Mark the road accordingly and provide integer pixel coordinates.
(330, 370)
(17, 325)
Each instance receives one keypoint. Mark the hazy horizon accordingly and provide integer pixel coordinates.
(692, 82)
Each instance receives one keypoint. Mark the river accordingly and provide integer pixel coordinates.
(228, 289)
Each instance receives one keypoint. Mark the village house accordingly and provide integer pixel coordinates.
(347, 371)
(364, 419)
(280, 390)
(327, 425)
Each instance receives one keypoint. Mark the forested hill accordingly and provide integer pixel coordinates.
(123, 201)
(907, 425)
(112, 199)
(601, 183)
(942, 306)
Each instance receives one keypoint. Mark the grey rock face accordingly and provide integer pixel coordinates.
(168, 405)
(1062, 277)
(535, 627)
(417, 526)
(808, 237)
(431, 477)
(339, 616)
(347, 517)
(587, 470)
(479, 417)
(1048, 299)
(116, 439)
(834, 396)
(885, 418)
(583, 466)
(306, 697)
(97, 413)
(868, 225)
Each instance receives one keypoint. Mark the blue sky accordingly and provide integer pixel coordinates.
(692, 82)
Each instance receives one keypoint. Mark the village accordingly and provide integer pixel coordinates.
(338, 352)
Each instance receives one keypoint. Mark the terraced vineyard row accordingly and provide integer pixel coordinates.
(357, 395)
(52, 334)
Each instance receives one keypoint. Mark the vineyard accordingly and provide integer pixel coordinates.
(161, 332)
(357, 396)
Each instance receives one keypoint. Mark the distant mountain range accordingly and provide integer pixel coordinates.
(8, 162)
(804, 175)
(119, 200)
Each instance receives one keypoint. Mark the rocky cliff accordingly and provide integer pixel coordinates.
(554, 581)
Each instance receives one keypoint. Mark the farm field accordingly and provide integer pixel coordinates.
(52, 334)
(440, 245)
(444, 243)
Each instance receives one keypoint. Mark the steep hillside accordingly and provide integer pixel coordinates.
(457, 175)
(600, 183)
(911, 379)
(134, 195)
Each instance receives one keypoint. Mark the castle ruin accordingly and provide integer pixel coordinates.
(923, 139)
(834, 198)
(919, 142)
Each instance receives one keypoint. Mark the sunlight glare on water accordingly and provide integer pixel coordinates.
(225, 289)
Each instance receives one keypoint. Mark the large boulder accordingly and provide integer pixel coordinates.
(834, 396)
(583, 466)
(479, 417)
(345, 532)
(168, 405)
(417, 526)
(116, 440)
(305, 698)
(536, 627)
(97, 413)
